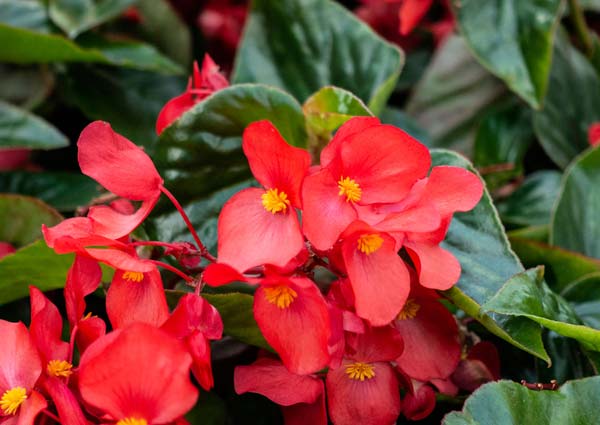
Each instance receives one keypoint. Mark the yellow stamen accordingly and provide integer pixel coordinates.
(133, 276)
(360, 371)
(409, 311)
(350, 188)
(59, 368)
(132, 421)
(275, 201)
(12, 399)
(282, 296)
(368, 244)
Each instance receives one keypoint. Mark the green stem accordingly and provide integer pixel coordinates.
(583, 32)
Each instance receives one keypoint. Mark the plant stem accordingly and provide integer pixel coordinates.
(173, 269)
(581, 28)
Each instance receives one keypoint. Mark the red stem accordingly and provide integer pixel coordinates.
(173, 269)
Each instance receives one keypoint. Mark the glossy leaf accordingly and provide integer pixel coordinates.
(477, 239)
(30, 14)
(77, 16)
(21, 129)
(21, 219)
(507, 403)
(513, 39)
(572, 104)
(531, 204)
(575, 221)
(303, 45)
(584, 296)
(453, 95)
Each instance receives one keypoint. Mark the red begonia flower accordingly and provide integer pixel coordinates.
(200, 86)
(83, 278)
(379, 277)
(481, 365)
(21, 368)
(594, 134)
(293, 317)
(138, 374)
(260, 226)
(411, 13)
(419, 401)
(196, 321)
(136, 297)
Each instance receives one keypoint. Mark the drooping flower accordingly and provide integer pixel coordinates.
(200, 85)
(260, 225)
(137, 375)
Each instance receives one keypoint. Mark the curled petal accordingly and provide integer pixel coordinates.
(438, 268)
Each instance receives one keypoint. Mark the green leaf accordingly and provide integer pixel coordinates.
(453, 95)
(509, 403)
(477, 239)
(63, 191)
(29, 14)
(531, 204)
(130, 100)
(25, 86)
(21, 129)
(527, 295)
(501, 142)
(584, 296)
(21, 218)
(573, 103)
(36, 265)
(513, 39)
(77, 16)
(575, 220)
(25, 46)
(303, 45)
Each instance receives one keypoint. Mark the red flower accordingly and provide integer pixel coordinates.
(200, 86)
(481, 365)
(260, 226)
(137, 375)
(6, 248)
(594, 134)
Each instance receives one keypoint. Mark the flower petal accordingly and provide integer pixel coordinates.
(46, 328)
(452, 189)
(30, 408)
(65, 401)
(20, 366)
(438, 268)
(173, 109)
(83, 279)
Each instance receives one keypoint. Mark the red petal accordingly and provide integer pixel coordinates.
(116, 163)
(307, 413)
(66, 403)
(46, 328)
(486, 352)
(129, 301)
(199, 348)
(20, 365)
(30, 408)
(83, 279)
(250, 236)
(173, 109)
(88, 331)
(377, 345)
(119, 259)
(138, 371)
(209, 78)
(274, 163)
(5, 249)
(114, 225)
(419, 219)
(431, 343)
(270, 378)
(411, 12)
(419, 405)
(438, 268)
(219, 274)
(194, 314)
(452, 189)
(374, 401)
(300, 332)
(354, 125)
(77, 227)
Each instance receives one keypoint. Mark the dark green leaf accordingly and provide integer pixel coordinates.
(584, 296)
(477, 239)
(531, 204)
(29, 14)
(509, 403)
(572, 104)
(513, 39)
(398, 118)
(575, 221)
(63, 191)
(453, 95)
(25, 86)
(21, 218)
(35, 265)
(77, 16)
(21, 129)
(303, 45)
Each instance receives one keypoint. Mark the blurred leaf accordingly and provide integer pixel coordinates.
(24, 46)
(513, 39)
(21, 129)
(77, 16)
(572, 104)
(303, 45)
(21, 218)
(36, 265)
(527, 295)
(584, 296)
(29, 14)
(24, 86)
(162, 26)
(508, 403)
(398, 118)
(531, 204)
(501, 142)
(63, 191)
(452, 96)
(533, 233)
(477, 239)
(576, 221)
(209, 410)
(129, 100)
(593, 5)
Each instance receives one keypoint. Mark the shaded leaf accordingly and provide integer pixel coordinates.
(584, 296)
(25, 86)
(21, 218)
(29, 14)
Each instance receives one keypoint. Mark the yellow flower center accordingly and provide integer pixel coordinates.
(59, 368)
(409, 311)
(275, 201)
(350, 189)
(368, 244)
(133, 276)
(12, 399)
(282, 296)
(360, 371)
(132, 421)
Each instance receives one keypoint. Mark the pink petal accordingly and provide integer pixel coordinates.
(20, 366)
(46, 328)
